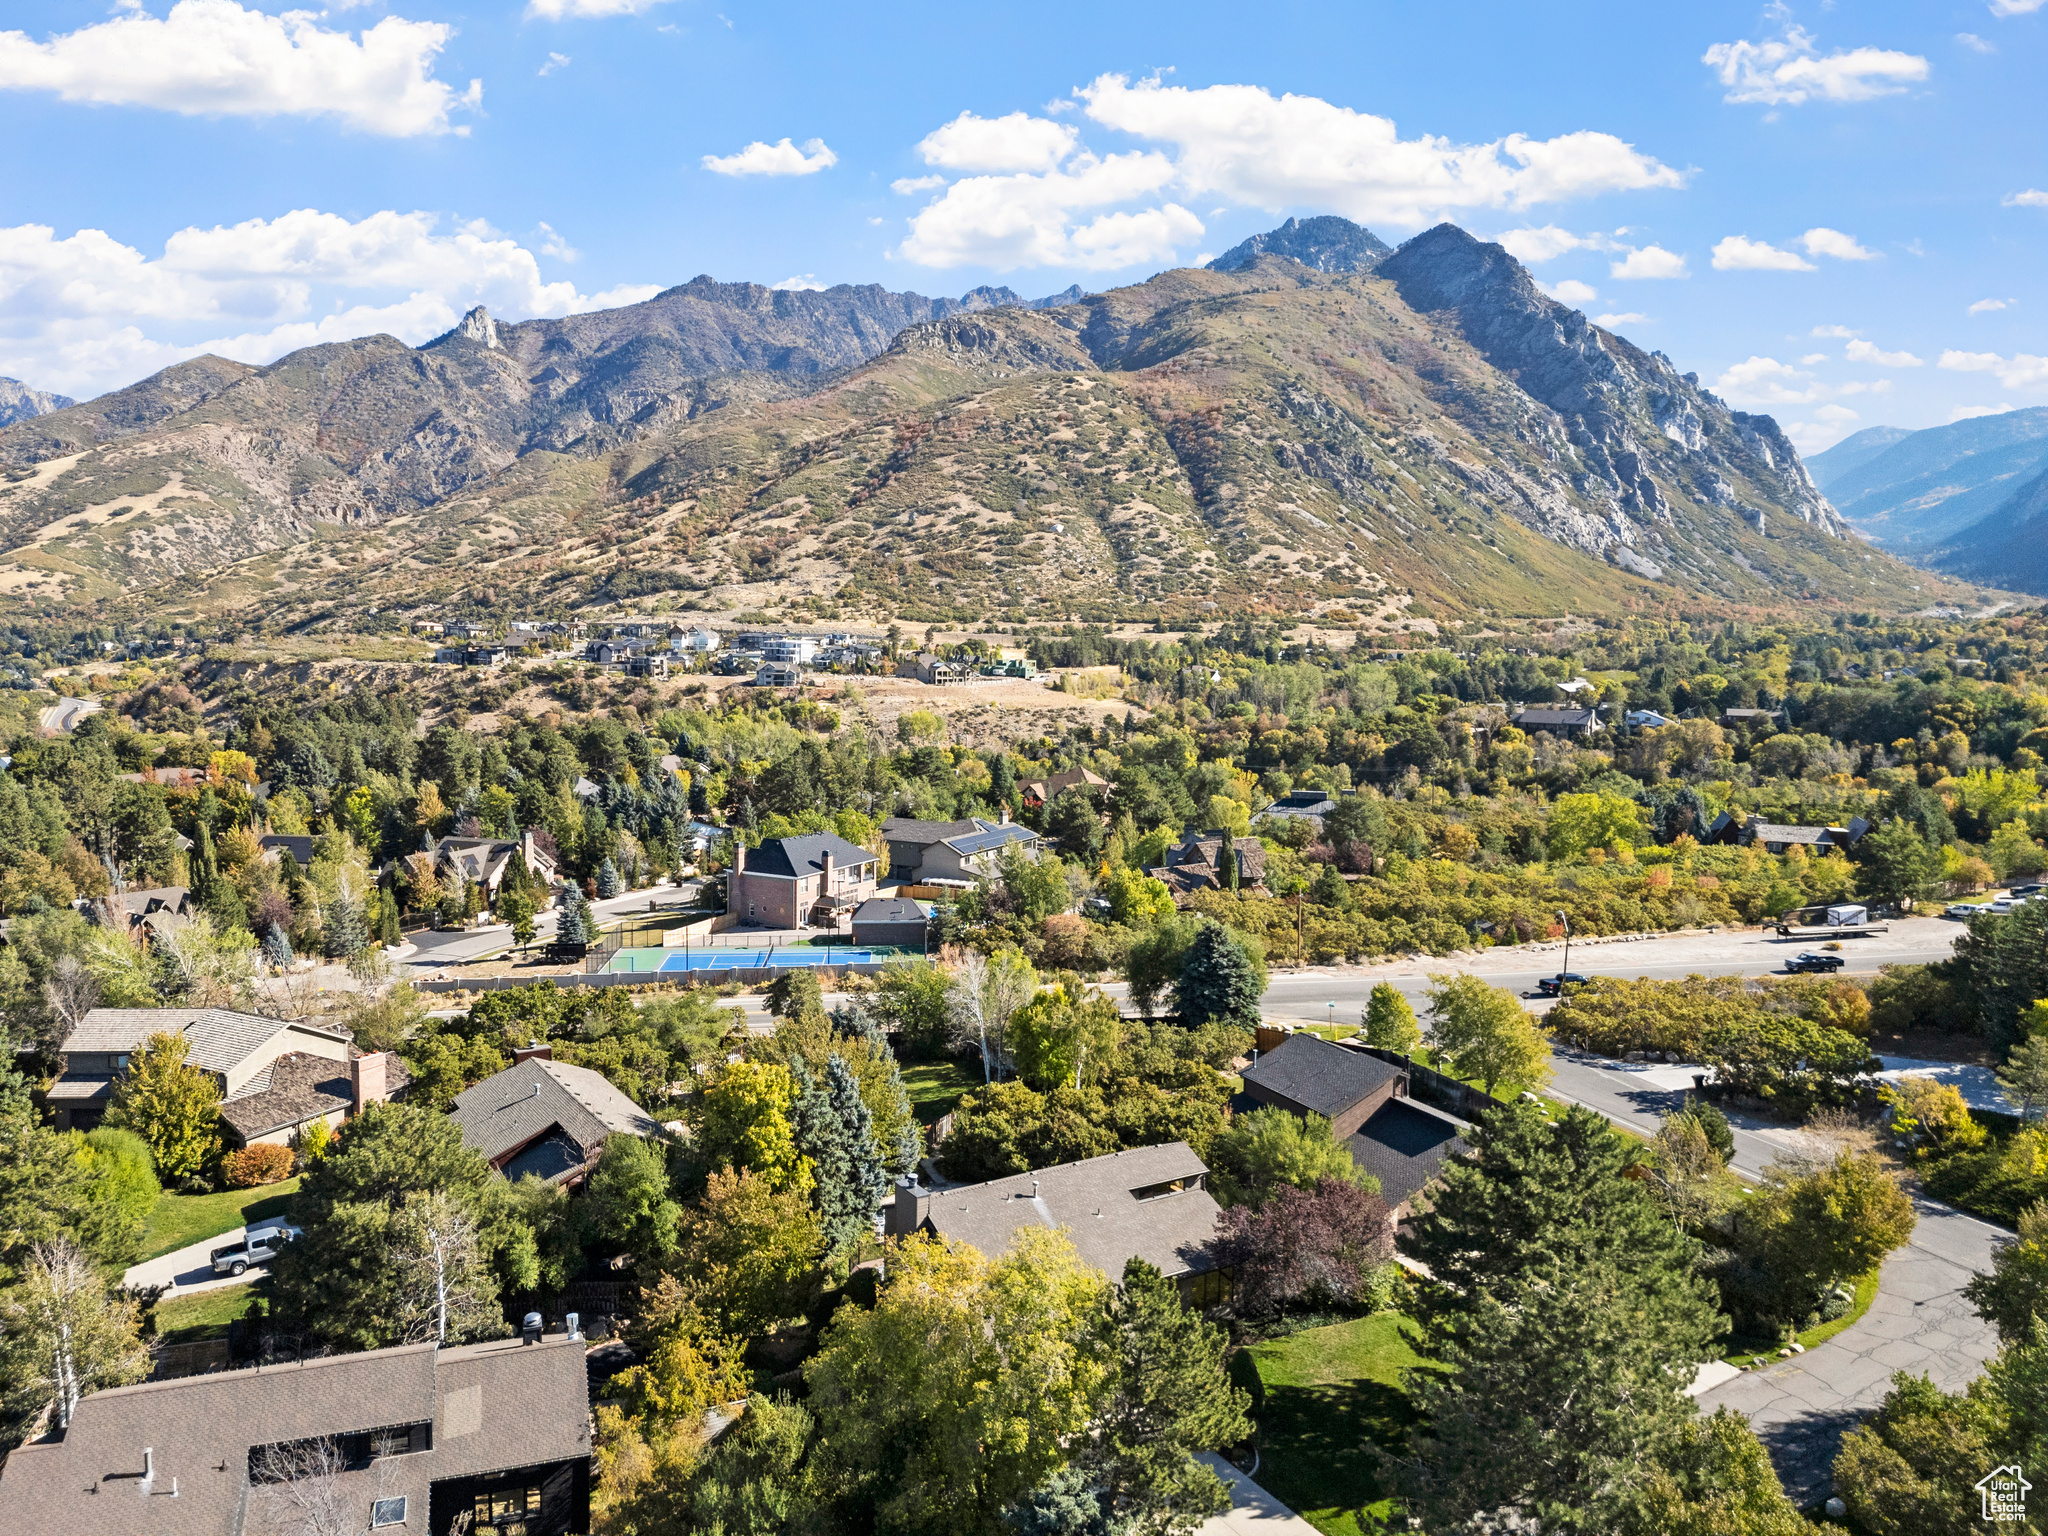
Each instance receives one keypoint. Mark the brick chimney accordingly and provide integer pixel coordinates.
(539, 1048)
(370, 1077)
(825, 873)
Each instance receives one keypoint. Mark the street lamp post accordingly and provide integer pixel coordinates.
(1565, 969)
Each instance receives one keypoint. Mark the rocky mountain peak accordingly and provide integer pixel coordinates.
(18, 402)
(478, 326)
(1327, 243)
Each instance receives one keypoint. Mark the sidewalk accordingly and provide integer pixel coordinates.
(1253, 1511)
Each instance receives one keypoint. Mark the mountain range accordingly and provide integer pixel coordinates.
(1317, 420)
(1961, 498)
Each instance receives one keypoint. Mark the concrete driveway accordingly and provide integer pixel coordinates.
(1920, 1323)
(190, 1269)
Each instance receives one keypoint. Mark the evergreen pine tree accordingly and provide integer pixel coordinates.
(347, 934)
(1567, 1310)
(833, 1129)
(277, 947)
(1169, 1396)
(573, 927)
(1220, 980)
(608, 882)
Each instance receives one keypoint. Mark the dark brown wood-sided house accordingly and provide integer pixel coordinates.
(546, 1118)
(490, 1437)
(1400, 1142)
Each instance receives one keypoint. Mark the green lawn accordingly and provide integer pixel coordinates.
(935, 1087)
(1324, 1397)
(179, 1220)
(1329, 1031)
(188, 1319)
(1765, 1351)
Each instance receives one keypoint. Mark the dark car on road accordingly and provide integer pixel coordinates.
(1813, 962)
(1553, 986)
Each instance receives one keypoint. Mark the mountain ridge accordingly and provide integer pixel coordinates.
(1272, 436)
(18, 402)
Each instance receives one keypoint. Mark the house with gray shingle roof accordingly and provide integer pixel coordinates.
(240, 1051)
(495, 1435)
(1149, 1203)
(546, 1118)
(976, 855)
(797, 882)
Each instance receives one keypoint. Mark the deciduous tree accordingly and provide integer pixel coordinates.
(173, 1107)
(1485, 1033)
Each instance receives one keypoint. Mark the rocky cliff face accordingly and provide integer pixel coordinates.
(18, 402)
(1327, 244)
(1635, 428)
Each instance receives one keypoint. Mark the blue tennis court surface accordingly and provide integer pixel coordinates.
(669, 960)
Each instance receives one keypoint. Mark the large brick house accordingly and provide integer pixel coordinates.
(815, 880)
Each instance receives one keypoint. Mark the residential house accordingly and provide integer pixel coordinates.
(276, 845)
(1774, 838)
(1558, 721)
(909, 838)
(801, 882)
(546, 1118)
(937, 670)
(429, 627)
(977, 855)
(693, 642)
(649, 664)
(1195, 863)
(266, 1069)
(168, 777)
(789, 650)
(891, 920)
(1039, 793)
(494, 1436)
(1018, 667)
(1149, 1203)
(775, 674)
(1400, 1142)
(1309, 805)
(1645, 719)
(483, 861)
(149, 915)
(610, 652)
(473, 655)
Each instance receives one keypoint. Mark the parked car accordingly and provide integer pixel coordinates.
(259, 1245)
(1810, 961)
(2023, 892)
(1553, 986)
(1962, 909)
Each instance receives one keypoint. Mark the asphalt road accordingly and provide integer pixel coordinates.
(65, 714)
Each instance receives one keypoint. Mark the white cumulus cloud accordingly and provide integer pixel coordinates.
(1740, 254)
(1651, 261)
(557, 10)
(910, 186)
(1966, 412)
(1766, 381)
(1274, 152)
(1571, 291)
(2021, 371)
(1533, 247)
(2016, 7)
(1867, 352)
(555, 61)
(210, 58)
(1030, 192)
(778, 159)
(1838, 332)
(803, 282)
(1832, 242)
(1836, 413)
(1018, 142)
(2031, 198)
(1975, 44)
(1986, 306)
(1609, 322)
(83, 313)
(1789, 70)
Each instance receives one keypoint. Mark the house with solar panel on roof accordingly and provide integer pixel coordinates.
(1401, 1143)
(546, 1118)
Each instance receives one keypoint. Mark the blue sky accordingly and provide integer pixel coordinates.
(1832, 212)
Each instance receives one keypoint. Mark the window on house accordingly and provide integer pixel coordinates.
(506, 1510)
(387, 1512)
